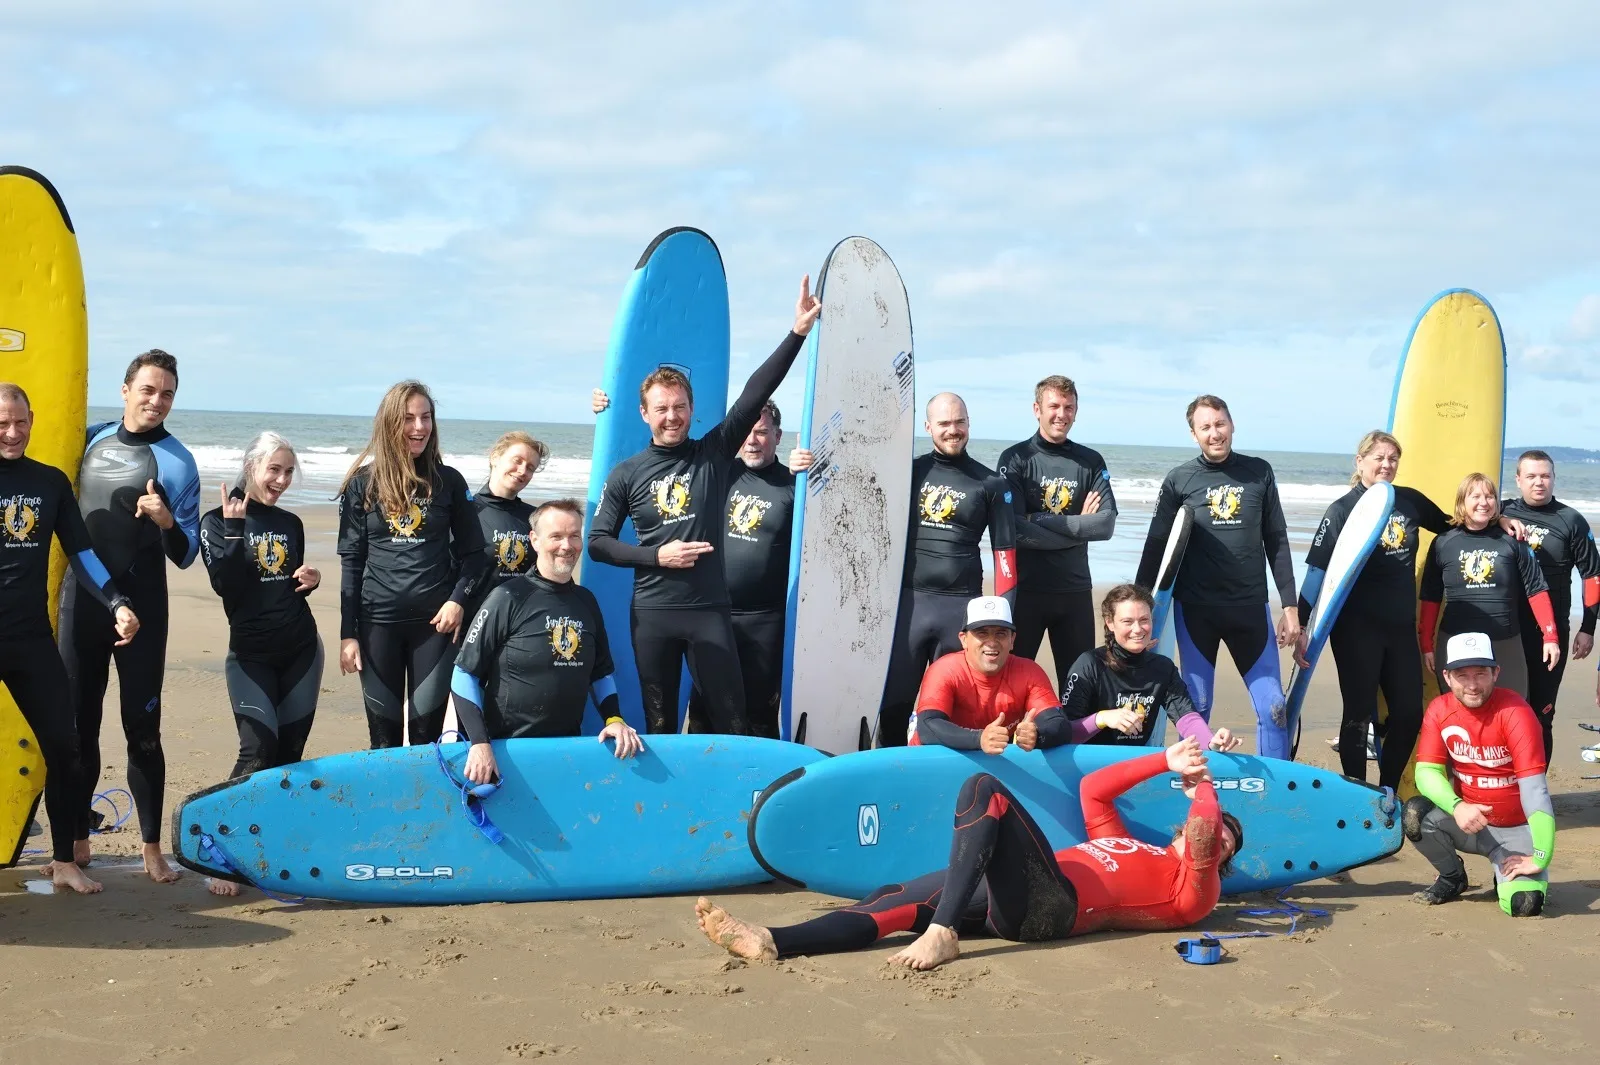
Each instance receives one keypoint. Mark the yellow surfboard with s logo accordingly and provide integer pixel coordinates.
(44, 347)
(1449, 414)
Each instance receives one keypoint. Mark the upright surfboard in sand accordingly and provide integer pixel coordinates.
(1449, 412)
(674, 312)
(1350, 553)
(44, 347)
(853, 506)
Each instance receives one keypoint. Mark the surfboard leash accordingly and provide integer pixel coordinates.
(1208, 948)
(211, 851)
(472, 795)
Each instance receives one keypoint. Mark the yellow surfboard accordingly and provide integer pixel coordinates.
(1449, 414)
(44, 347)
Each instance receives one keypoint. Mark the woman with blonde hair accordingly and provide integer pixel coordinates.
(411, 557)
(1374, 638)
(1482, 576)
(502, 516)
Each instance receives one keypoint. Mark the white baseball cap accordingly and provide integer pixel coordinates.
(988, 610)
(1468, 649)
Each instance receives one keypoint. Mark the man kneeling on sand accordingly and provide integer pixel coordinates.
(1004, 881)
(1498, 804)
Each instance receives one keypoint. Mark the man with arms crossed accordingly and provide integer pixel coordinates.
(536, 651)
(1561, 541)
(1221, 592)
(1498, 804)
(1063, 488)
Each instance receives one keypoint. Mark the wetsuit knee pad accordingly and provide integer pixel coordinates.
(1416, 808)
(1523, 897)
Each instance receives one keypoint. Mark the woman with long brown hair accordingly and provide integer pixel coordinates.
(1481, 576)
(411, 555)
(1114, 693)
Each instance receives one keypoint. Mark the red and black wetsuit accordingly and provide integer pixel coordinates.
(1003, 879)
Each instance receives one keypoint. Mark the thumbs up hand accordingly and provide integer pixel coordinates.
(1027, 734)
(152, 506)
(995, 736)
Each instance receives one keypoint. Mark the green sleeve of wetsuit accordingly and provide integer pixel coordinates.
(1543, 828)
(1433, 784)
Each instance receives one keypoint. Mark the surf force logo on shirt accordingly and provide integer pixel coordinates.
(1139, 704)
(271, 554)
(404, 526)
(1535, 535)
(938, 504)
(1477, 567)
(1224, 502)
(1393, 537)
(566, 640)
(21, 515)
(510, 551)
(745, 514)
(671, 497)
(1056, 493)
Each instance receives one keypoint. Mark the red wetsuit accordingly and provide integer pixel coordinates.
(955, 697)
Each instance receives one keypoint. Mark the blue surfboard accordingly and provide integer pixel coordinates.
(389, 826)
(850, 825)
(674, 312)
(1166, 578)
(1360, 535)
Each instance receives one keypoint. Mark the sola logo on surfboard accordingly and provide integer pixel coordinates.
(398, 872)
(12, 340)
(867, 825)
(1252, 785)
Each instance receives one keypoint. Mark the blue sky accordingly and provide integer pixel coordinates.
(1247, 198)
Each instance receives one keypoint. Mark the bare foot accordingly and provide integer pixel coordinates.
(932, 949)
(225, 888)
(68, 875)
(733, 935)
(156, 866)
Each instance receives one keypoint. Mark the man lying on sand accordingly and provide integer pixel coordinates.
(1004, 881)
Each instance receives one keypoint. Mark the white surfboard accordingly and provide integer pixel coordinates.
(1163, 626)
(853, 506)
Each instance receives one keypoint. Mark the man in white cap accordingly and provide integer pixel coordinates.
(981, 698)
(1498, 804)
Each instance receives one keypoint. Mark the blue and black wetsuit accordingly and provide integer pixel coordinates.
(36, 502)
(1374, 639)
(1221, 592)
(117, 466)
(1055, 593)
(397, 571)
(274, 664)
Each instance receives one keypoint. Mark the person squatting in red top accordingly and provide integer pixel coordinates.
(1003, 880)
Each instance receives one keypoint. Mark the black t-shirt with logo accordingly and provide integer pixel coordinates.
(537, 646)
(1053, 479)
(507, 540)
(953, 500)
(404, 567)
(1148, 683)
(679, 493)
(1484, 579)
(1561, 541)
(1238, 529)
(756, 539)
(251, 562)
(36, 503)
(1386, 589)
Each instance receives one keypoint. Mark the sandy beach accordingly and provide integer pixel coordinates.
(146, 972)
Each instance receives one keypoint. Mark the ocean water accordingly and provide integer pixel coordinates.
(326, 445)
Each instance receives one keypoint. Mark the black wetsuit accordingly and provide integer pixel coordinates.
(755, 555)
(507, 541)
(274, 664)
(535, 651)
(1561, 541)
(36, 503)
(678, 494)
(117, 465)
(1055, 593)
(1374, 638)
(1220, 596)
(397, 571)
(953, 501)
(1110, 678)
(1485, 580)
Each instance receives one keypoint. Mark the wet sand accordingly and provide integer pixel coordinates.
(146, 972)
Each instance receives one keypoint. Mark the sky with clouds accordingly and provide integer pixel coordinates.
(305, 202)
